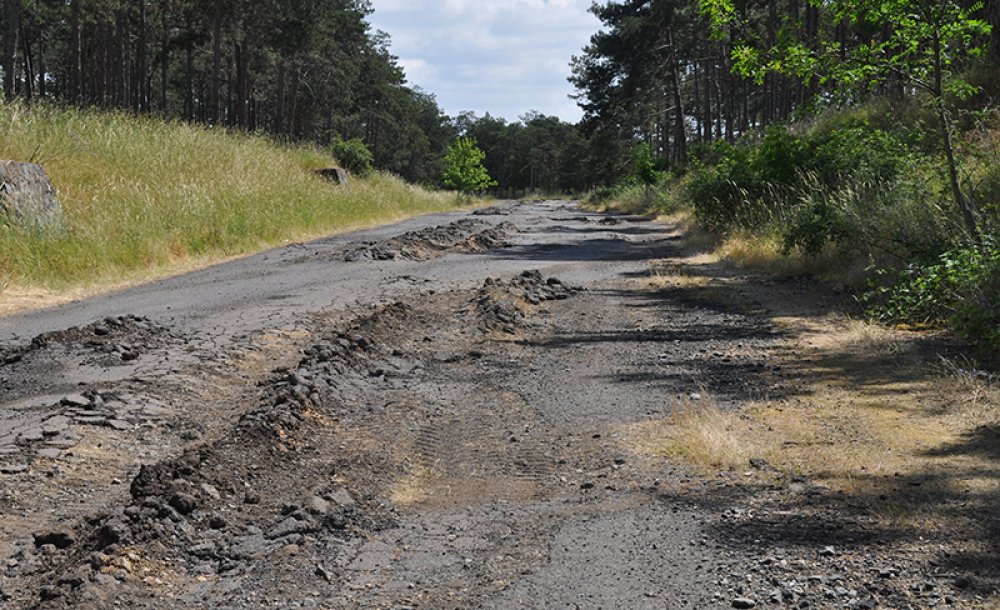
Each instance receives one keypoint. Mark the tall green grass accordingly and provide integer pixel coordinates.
(140, 194)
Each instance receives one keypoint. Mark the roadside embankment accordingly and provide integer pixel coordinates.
(146, 198)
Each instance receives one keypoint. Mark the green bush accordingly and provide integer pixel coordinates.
(464, 170)
(762, 179)
(644, 166)
(819, 222)
(665, 196)
(603, 194)
(861, 153)
(886, 222)
(354, 155)
(961, 290)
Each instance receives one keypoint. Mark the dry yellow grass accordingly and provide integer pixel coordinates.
(143, 198)
(875, 417)
(414, 488)
(871, 421)
(763, 252)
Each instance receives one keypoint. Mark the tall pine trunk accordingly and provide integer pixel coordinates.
(164, 61)
(189, 71)
(29, 65)
(279, 119)
(75, 93)
(708, 96)
(216, 100)
(241, 85)
(680, 129)
(140, 79)
(12, 20)
(293, 102)
(42, 88)
(119, 63)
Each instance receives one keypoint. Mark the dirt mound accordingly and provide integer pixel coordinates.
(502, 305)
(258, 490)
(464, 235)
(505, 209)
(113, 340)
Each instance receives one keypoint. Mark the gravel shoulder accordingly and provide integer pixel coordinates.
(502, 410)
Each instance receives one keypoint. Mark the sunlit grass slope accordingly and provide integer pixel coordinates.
(141, 196)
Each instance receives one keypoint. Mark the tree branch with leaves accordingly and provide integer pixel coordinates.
(922, 43)
(464, 170)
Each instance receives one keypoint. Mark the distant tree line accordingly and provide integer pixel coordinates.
(659, 72)
(296, 69)
(536, 154)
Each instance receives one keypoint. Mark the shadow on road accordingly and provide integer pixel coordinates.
(743, 338)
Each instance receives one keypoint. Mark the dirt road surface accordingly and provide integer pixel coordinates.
(444, 413)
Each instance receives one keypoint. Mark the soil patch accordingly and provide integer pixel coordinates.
(503, 305)
(466, 235)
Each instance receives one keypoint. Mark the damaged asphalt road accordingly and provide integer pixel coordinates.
(437, 414)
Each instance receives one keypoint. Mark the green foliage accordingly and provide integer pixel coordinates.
(537, 153)
(299, 70)
(666, 196)
(464, 169)
(814, 225)
(644, 165)
(917, 40)
(961, 289)
(917, 43)
(735, 186)
(353, 155)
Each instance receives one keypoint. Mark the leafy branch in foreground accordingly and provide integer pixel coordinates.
(915, 44)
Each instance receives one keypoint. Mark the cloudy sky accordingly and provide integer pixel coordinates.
(501, 56)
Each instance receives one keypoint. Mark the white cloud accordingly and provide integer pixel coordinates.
(502, 57)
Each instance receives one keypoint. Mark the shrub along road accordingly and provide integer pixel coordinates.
(478, 410)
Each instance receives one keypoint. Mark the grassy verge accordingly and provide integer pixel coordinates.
(143, 198)
(889, 422)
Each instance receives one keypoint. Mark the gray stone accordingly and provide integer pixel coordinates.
(203, 550)
(183, 503)
(33, 435)
(27, 197)
(50, 453)
(341, 498)
(744, 602)
(211, 491)
(335, 175)
(249, 547)
(55, 425)
(119, 424)
(13, 468)
(75, 400)
(287, 527)
(317, 505)
(155, 411)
